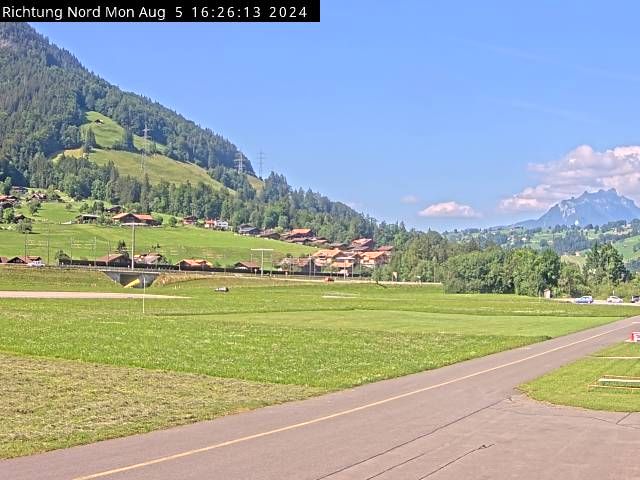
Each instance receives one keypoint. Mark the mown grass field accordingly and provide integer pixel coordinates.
(50, 235)
(273, 340)
(573, 384)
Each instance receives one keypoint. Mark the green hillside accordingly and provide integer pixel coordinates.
(158, 167)
(51, 234)
(108, 132)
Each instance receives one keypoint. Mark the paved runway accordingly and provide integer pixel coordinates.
(77, 295)
(464, 421)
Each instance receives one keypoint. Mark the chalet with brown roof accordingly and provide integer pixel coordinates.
(189, 220)
(87, 218)
(194, 264)
(249, 266)
(362, 244)
(151, 259)
(270, 233)
(116, 259)
(20, 260)
(134, 218)
(324, 257)
(114, 209)
(40, 196)
(300, 265)
(298, 235)
(386, 248)
(374, 259)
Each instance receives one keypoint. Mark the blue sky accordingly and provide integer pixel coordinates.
(440, 114)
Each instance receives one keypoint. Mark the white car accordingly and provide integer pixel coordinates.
(36, 263)
(614, 299)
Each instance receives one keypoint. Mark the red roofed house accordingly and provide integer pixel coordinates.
(374, 259)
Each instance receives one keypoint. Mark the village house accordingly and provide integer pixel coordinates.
(152, 259)
(300, 265)
(298, 235)
(134, 218)
(20, 260)
(40, 196)
(87, 218)
(270, 233)
(374, 259)
(114, 209)
(246, 229)
(18, 190)
(189, 220)
(194, 264)
(116, 259)
(249, 266)
(385, 248)
(362, 244)
(325, 257)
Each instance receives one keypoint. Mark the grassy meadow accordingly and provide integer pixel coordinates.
(263, 342)
(50, 233)
(573, 384)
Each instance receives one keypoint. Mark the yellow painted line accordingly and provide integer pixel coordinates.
(335, 415)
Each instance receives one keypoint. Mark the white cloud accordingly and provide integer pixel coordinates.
(410, 199)
(449, 209)
(582, 169)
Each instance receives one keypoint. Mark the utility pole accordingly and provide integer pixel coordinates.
(133, 243)
(145, 150)
(261, 157)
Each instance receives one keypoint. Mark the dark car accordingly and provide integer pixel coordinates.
(635, 298)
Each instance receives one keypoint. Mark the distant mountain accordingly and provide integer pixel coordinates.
(596, 208)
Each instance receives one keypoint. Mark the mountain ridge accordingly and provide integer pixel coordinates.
(595, 208)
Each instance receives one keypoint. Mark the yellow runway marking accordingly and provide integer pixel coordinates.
(337, 414)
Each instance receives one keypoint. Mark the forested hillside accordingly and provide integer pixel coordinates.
(46, 92)
(48, 103)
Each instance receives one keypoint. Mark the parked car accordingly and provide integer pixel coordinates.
(584, 299)
(36, 263)
(614, 299)
(635, 298)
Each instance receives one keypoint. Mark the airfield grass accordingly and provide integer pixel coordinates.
(50, 234)
(572, 384)
(48, 404)
(306, 338)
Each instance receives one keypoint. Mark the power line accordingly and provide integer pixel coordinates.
(240, 162)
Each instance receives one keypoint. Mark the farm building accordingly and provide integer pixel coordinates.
(194, 264)
(374, 259)
(249, 266)
(301, 265)
(189, 220)
(362, 244)
(114, 209)
(87, 218)
(151, 259)
(248, 230)
(134, 218)
(270, 233)
(20, 260)
(114, 260)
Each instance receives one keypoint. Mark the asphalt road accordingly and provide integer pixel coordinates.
(77, 295)
(465, 421)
